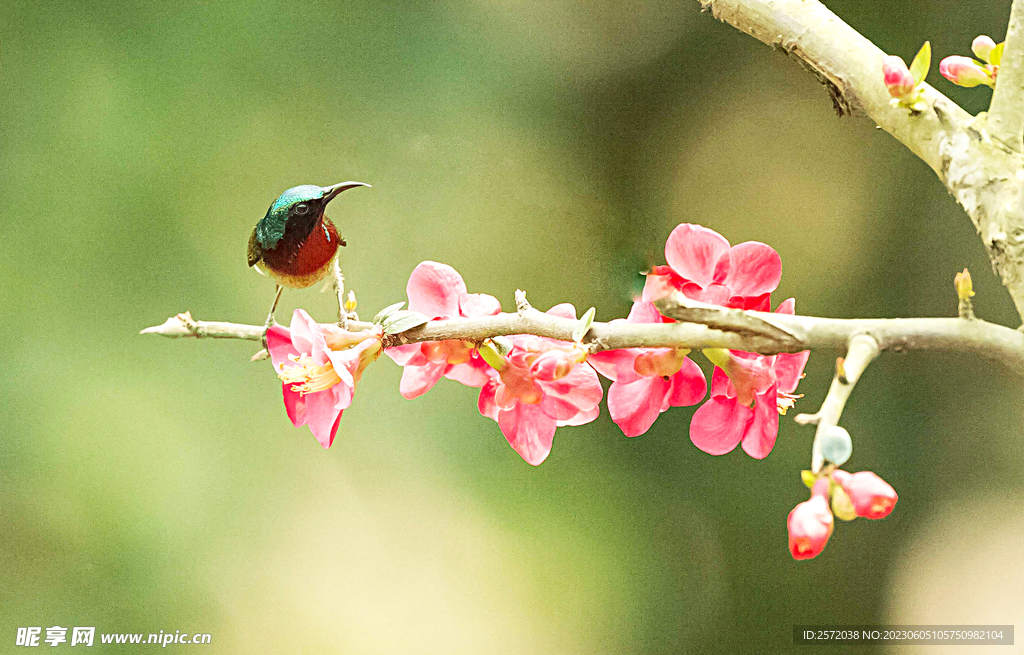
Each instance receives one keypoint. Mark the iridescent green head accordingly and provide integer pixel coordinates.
(303, 202)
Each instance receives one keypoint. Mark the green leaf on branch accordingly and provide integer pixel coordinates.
(502, 344)
(583, 326)
(387, 311)
(403, 320)
(922, 62)
(996, 55)
(808, 478)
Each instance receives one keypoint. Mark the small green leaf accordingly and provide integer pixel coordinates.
(996, 55)
(503, 345)
(808, 478)
(583, 326)
(403, 320)
(922, 62)
(836, 445)
(387, 311)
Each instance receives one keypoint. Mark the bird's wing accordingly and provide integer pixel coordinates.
(255, 252)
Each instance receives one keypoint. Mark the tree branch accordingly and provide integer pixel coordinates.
(1006, 113)
(863, 349)
(977, 337)
(982, 173)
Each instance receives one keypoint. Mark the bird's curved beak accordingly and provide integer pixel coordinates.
(331, 191)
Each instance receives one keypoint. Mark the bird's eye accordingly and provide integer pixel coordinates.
(302, 209)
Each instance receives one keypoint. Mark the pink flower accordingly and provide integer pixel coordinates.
(748, 392)
(438, 291)
(705, 268)
(872, 497)
(319, 366)
(810, 524)
(964, 71)
(647, 381)
(529, 407)
(898, 78)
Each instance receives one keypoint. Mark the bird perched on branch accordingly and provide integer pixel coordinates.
(295, 243)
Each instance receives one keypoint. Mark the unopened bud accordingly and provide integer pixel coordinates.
(964, 285)
(898, 79)
(964, 71)
(350, 302)
(810, 526)
(982, 47)
(872, 497)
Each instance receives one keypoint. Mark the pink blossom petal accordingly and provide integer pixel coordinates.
(644, 312)
(693, 252)
(755, 268)
(307, 337)
(473, 373)
(418, 380)
(581, 387)
(564, 310)
(342, 395)
(558, 408)
(721, 385)
(486, 403)
(718, 425)
(715, 294)
(787, 306)
(764, 428)
(616, 365)
(345, 363)
(529, 431)
(294, 404)
(402, 354)
(582, 417)
(762, 303)
(660, 285)
(789, 367)
(688, 385)
(279, 343)
(435, 290)
(635, 406)
(479, 304)
(322, 416)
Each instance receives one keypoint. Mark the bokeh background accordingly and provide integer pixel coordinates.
(150, 484)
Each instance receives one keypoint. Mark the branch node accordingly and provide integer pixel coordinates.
(522, 306)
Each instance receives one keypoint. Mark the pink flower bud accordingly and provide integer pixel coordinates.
(810, 526)
(898, 79)
(982, 47)
(872, 496)
(964, 71)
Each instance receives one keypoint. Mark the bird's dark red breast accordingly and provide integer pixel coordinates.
(302, 257)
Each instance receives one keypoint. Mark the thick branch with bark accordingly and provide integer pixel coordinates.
(981, 167)
(1006, 113)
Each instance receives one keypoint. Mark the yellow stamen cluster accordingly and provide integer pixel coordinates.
(308, 376)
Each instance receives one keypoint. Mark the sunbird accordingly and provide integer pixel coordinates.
(295, 243)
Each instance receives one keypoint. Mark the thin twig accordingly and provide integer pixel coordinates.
(339, 288)
(863, 349)
(994, 342)
(1006, 113)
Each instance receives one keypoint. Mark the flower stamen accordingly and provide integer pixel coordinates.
(308, 376)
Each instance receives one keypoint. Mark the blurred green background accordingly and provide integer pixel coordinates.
(151, 485)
